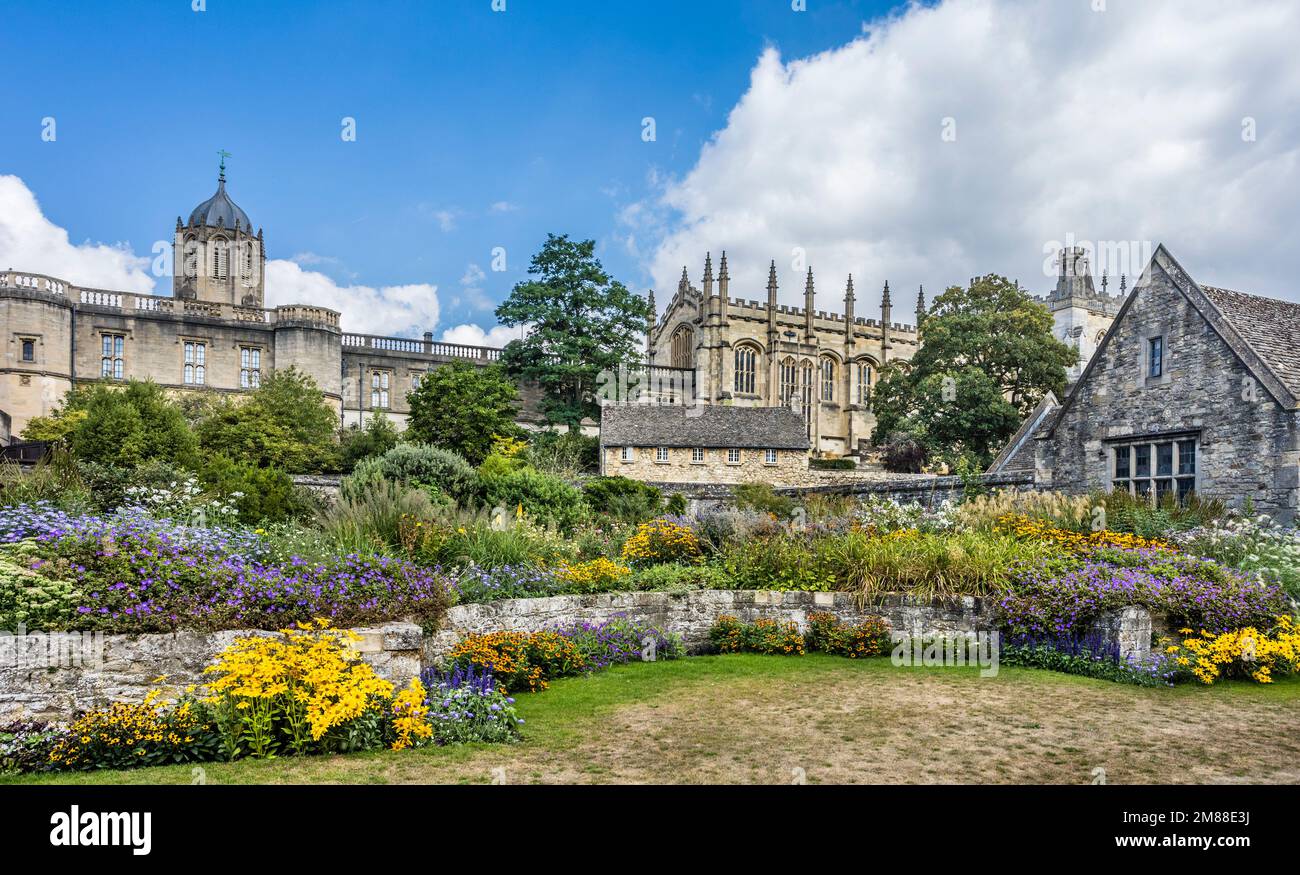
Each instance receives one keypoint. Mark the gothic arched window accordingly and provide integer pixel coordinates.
(828, 378)
(746, 369)
(220, 259)
(683, 348)
(864, 383)
(789, 382)
(807, 386)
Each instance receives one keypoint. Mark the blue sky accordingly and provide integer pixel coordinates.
(917, 143)
(537, 110)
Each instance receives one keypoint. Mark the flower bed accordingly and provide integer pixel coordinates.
(130, 573)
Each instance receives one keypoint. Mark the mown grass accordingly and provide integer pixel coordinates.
(748, 718)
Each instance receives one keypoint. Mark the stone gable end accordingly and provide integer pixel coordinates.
(1246, 441)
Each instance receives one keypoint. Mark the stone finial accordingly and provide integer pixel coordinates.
(708, 267)
(884, 299)
(920, 306)
(722, 267)
(771, 277)
(684, 284)
(1123, 285)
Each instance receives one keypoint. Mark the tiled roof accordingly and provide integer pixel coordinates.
(1269, 327)
(713, 426)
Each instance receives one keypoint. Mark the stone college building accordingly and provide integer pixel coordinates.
(212, 333)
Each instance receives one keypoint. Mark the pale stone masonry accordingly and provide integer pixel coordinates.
(213, 333)
(703, 444)
(128, 667)
(1193, 388)
(748, 353)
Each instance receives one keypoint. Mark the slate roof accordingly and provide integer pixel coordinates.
(1269, 327)
(220, 210)
(1016, 456)
(710, 426)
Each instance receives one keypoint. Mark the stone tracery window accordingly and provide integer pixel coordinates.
(683, 348)
(828, 378)
(864, 383)
(789, 382)
(746, 379)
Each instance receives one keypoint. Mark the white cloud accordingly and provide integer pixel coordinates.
(504, 207)
(1116, 125)
(474, 335)
(29, 241)
(391, 310)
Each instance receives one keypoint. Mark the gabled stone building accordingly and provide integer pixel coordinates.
(1192, 388)
(703, 444)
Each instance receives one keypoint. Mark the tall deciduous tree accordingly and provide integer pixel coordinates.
(986, 359)
(582, 322)
(285, 423)
(462, 408)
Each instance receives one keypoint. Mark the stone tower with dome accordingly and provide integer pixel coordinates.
(217, 257)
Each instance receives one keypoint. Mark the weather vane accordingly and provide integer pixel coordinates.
(224, 155)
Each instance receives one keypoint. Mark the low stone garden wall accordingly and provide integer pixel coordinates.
(926, 489)
(36, 683)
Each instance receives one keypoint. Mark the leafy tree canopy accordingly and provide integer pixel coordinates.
(285, 423)
(986, 359)
(464, 409)
(122, 425)
(582, 321)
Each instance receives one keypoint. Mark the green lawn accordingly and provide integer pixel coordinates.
(825, 719)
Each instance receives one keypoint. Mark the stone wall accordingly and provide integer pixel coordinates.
(34, 687)
(127, 667)
(927, 490)
(790, 466)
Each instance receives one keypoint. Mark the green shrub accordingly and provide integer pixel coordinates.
(762, 498)
(729, 635)
(680, 578)
(127, 425)
(627, 500)
(564, 453)
(827, 634)
(54, 479)
(377, 437)
(462, 538)
(262, 495)
(676, 504)
(108, 484)
(781, 562)
(37, 601)
(1137, 514)
(548, 500)
(833, 464)
(370, 519)
(418, 466)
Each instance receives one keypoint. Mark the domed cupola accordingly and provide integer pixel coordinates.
(219, 210)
